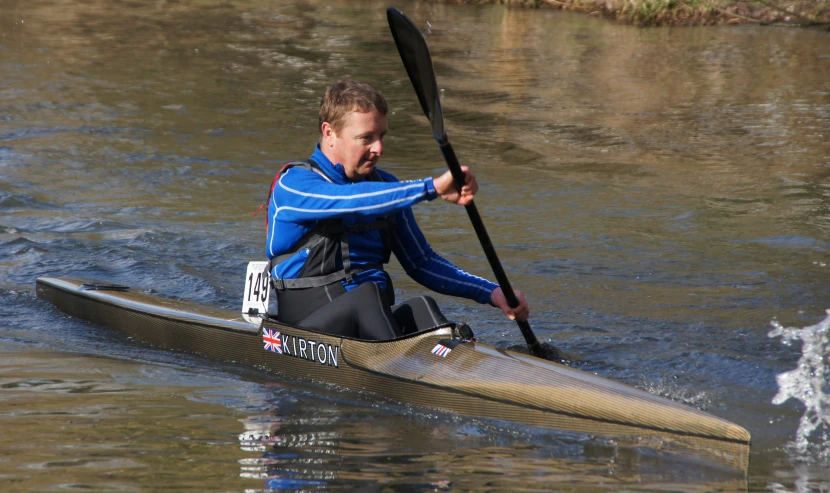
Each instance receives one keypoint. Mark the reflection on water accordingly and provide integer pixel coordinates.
(335, 445)
(660, 195)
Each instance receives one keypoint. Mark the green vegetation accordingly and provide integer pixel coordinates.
(805, 13)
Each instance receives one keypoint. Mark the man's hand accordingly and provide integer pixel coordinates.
(520, 313)
(445, 187)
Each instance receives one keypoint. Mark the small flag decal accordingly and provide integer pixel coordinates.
(272, 340)
(441, 350)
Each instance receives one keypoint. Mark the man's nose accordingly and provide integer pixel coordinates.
(377, 147)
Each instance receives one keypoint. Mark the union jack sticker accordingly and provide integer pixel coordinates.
(272, 340)
(441, 350)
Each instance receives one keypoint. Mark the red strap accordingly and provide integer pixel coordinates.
(260, 208)
(270, 193)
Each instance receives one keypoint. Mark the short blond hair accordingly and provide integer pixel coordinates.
(345, 96)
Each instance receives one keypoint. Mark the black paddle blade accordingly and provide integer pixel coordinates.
(545, 351)
(415, 56)
(551, 353)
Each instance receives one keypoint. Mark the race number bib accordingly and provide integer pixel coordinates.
(257, 290)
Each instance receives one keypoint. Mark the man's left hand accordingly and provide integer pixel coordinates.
(520, 313)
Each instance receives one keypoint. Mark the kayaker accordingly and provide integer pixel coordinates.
(334, 220)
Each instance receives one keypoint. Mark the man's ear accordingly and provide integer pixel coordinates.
(328, 133)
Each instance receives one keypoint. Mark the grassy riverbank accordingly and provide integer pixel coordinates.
(806, 13)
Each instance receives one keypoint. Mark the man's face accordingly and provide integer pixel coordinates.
(358, 145)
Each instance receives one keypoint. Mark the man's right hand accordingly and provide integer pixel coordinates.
(445, 187)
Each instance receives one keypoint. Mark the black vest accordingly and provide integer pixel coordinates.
(323, 242)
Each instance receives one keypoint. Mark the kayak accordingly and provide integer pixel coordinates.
(442, 368)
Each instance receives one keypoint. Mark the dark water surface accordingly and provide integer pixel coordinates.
(660, 195)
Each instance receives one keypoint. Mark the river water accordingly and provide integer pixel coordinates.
(661, 195)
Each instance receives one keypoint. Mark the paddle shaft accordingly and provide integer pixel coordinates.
(487, 245)
(418, 63)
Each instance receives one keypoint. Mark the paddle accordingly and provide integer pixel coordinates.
(415, 55)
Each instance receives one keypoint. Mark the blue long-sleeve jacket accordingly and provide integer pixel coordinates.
(302, 197)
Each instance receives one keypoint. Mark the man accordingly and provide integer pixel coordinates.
(334, 220)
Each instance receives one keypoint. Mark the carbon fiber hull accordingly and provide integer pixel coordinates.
(470, 378)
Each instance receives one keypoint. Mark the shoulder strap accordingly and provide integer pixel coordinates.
(375, 176)
(310, 165)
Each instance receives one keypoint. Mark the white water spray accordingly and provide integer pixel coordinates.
(808, 383)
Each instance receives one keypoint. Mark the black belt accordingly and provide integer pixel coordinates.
(319, 281)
